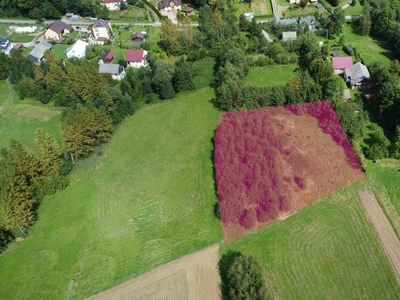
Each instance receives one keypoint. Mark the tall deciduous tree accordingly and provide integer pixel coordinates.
(50, 154)
(170, 36)
(162, 79)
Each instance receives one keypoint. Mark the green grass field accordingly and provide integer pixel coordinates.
(20, 119)
(325, 251)
(354, 10)
(19, 38)
(271, 75)
(370, 50)
(148, 200)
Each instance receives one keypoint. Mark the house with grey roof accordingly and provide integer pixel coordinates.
(309, 21)
(266, 36)
(37, 54)
(357, 76)
(116, 71)
(6, 45)
(57, 30)
(287, 22)
(289, 35)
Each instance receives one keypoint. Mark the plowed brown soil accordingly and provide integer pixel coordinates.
(194, 276)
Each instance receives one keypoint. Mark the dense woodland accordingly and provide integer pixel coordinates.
(92, 111)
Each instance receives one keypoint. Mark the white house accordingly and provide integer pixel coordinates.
(5, 46)
(289, 35)
(101, 31)
(78, 49)
(136, 58)
(112, 4)
(116, 71)
(169, 5)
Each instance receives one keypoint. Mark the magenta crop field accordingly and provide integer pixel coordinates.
(270, 162)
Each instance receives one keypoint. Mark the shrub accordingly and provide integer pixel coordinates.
(348, 50)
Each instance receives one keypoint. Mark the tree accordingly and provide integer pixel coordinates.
(18, 174)
(55, 77)
(396, 143)
(395, 67)
(5, 66)
(170, 36)
(335, 23)
(123, 5)
(162, 79)
(364, 23)
(85, 128)
(378, 143)
(183, 77)
(320, 70)
(50, 154)
(245, 279)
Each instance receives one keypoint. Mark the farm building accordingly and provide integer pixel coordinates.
(289, 35)
(136, 58)
(339, 64)
(116, 71)
(57, 31)
(6, 45)
(169, 5)
(78, 49)
(357, 76)
(36, 55)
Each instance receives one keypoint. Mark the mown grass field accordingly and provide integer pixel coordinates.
(370, 50)
(271, 75)
(20, 119)
(327, 250)
(147, 200)
(19, 38)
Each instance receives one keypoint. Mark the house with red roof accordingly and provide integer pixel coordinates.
(112, 4)
(136, 58)
(339, 64)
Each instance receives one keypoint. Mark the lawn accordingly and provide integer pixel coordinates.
(20, 119)
(147, 200)
(295, 11)
(19, 38)
(354, 10)
(59, 50)
(132, 14)
(271, 75)
(327, 250)
(3, 91)
(370, 50)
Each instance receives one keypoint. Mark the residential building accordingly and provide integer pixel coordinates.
(112, 4)
(78, 50)
(116, 71)
(101, 31)
(169, 5)
(339, 64)
(37, 54)
(309, 21)
(287, 22)
(57, 31)
(136, 58)
(6, 45)
(289, 35)
(137, 38)
(357, 76)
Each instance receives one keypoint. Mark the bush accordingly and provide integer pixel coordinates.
(348, 50)
(5, 237)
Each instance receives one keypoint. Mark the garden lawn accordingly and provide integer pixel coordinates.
(20, 119)
(19, 38)
(328, 250)
(354, 10)
(59, 50)
(147, 200)
(274, 75)
(370, 50)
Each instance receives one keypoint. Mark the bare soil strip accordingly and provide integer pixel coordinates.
(387, 236)
(194, 276)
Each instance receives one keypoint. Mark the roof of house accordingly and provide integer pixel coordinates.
(266, 35)
(59, 26)
(187, 10)
(309, 20)
(110, 69)
(138, 36)
(135, 55)
(18, 46)
(341, 63)
(289, 35)
(38, 51)
(111, 1)
(167, 3)
(335, 53)
(319, 5)
(109, 56)
(356, 73)
(78, 48)
(286, 22)
(101, 23)
(4, 43)
(101, 39)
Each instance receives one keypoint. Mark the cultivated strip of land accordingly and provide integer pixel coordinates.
(383, 228)
(194, 276)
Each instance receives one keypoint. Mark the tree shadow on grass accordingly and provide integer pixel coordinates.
(224, 263)
(215, 205)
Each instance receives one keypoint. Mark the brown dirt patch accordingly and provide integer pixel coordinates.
(194, 276)
(387, 236)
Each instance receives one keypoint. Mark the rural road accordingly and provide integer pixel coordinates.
(387, 236)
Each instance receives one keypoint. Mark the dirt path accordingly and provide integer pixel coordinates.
(388, 238)
(194, 276)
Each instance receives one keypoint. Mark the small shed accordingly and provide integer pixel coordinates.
(335, 53)
(319, 5)
(109, 57)
(18, 46)
(187, 11)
